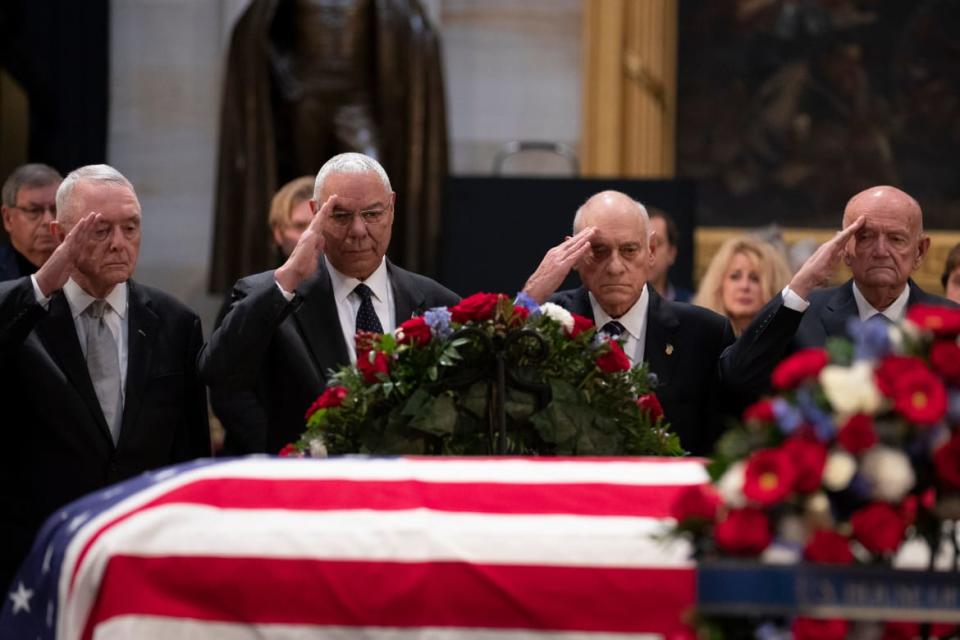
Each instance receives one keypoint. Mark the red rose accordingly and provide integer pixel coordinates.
(944, 322)
(373, 365)
(802, 365)
(920, 397)
(744, 532)
(828, 547)
(700, 501)
(520, 315)
(814, 629)
(769, 477)
(945, 360)
(946, 462)
(878, 527)
(580, 324)
(896, 630)
(857, 434)
(415, 330)
(331, 397)
(289, 451)
(614, 360)
(808, 457)
(911, 505)
(891, 368)
(478, 307)
(760, 411)
(650, 405)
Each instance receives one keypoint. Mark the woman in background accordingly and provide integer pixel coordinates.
(951, 275)
(742, 277)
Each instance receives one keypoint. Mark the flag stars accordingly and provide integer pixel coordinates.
(21, 599)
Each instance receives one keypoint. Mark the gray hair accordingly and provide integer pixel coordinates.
(641, 212)
(102, 173)
(350, 163)
(31, 176)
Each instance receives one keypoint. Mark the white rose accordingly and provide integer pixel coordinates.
(780, 554)
(838, 470)
(730, 485)
(558, 314)
(851, 389)
(888, 472)
(318, 448)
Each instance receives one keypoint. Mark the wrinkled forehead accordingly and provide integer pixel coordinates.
(117, 202)
(885, 209)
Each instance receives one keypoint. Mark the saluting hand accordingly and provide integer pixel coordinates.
(302, 262)
(819, 267)
(556, 265)
(63, 261)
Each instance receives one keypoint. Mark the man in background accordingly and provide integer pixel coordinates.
(28, 207)
(666, 236)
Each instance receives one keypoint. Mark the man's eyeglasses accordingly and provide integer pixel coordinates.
(35, 212)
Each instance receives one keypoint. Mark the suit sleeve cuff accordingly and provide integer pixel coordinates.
(793, 301)
(286, 294)
(42, 300)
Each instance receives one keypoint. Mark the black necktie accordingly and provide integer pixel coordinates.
(612, 329)
(367, 319)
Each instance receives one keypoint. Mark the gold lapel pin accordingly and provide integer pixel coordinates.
(669, 349)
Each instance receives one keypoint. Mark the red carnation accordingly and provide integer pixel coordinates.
(760, 411)
(801, 366)
(520, 315)
(828, 547)
(769, 477)
(808, 457)
(814, 629)
(944, 322)
(920, 397)
(857, 434)
(478, 307)
(891, 368)
(650, 405)
(373, 365)
(614, 360)
(744, 532)
(700, 501)
(580, 324)
(878, 527)
(415, 330)
(331, 397)
(945, 360)
(946, 462)
(912, 504)
(289, 451)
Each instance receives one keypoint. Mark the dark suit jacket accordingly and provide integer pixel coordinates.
(284, 351)
(689, 375)
(778, 331)
(9, 268)
(56, 444)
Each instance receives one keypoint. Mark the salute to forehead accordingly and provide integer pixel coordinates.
(885, 205)
(609, 208)
(96, 188)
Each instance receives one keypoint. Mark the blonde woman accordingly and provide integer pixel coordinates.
(742, 277)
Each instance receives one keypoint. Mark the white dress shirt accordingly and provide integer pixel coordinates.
(634, 322)
(348, 302)
(895, 312)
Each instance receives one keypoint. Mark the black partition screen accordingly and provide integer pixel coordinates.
(496, 230)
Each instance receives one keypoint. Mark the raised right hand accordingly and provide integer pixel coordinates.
(820, 266)
(302, 262)
(55, 272)
(556, 264)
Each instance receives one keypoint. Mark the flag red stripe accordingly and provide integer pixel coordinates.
(394, 594)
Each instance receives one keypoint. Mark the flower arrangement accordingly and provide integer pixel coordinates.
(432, 388)
(857, 453)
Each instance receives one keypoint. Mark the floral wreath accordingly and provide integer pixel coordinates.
(429, 388)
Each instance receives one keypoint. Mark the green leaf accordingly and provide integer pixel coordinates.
(520, 405)
(475, 399)
(840, 351)
(437, 417)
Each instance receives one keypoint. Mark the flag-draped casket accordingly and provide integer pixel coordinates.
(365, 548)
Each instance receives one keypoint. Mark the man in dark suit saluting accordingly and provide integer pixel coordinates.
(612, 249)
(286, 329)
(99, 379)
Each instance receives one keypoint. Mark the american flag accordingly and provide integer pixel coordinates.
(379, 548)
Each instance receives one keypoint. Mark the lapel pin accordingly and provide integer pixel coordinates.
(669, 349)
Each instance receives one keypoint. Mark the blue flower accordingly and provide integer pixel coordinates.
(823, 424)
(788, 417)
(871, 338)
(528, 303)
(438, 319)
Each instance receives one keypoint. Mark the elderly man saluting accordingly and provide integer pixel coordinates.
(286, 329)
(99, 379)
(613, 249)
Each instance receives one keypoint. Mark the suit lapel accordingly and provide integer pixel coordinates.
(319, 323)
(841, 306)
(407, 297)
(59, 336)
(660, 348)
(142, 325)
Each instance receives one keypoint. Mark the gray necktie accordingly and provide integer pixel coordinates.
(103, 363)
(367, 319)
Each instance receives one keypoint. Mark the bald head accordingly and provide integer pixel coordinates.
(606, 202)
(886, 201)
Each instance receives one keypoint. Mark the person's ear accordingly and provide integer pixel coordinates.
(314, 207)
(57, 231)
(5, 212)
(922, 249)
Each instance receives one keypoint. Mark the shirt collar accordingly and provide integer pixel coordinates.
(633, 321)
(79, 300)
(895, 312)
(343, 285)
